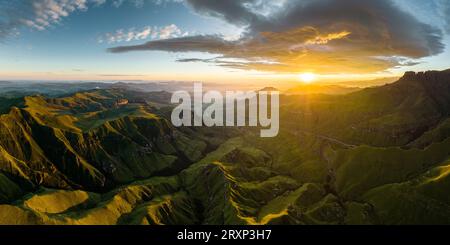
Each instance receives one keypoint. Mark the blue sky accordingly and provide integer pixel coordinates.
(73, 43)
(70, 49)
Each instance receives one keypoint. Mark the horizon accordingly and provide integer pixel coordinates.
(371, 82)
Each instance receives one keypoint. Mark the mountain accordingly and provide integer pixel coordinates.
(7, 102)
(369, 83)
(390, 115)
(321, 89)
(268, 89)
(111, 156)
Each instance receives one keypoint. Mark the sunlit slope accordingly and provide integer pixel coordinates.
(87, 141)
(376, 156)
(235, 184)
(391, 115)
(242, 183)
(363, 168)
(155, 201)
(421, 200)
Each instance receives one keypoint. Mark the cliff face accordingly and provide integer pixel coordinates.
(435, 84)
(427, 76)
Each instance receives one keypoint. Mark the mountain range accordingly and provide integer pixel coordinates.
(109, 155)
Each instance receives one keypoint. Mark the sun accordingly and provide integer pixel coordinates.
(307, 77)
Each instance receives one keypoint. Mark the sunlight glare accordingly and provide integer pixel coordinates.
(307, 77)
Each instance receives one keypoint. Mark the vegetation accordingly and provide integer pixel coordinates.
(375, 156)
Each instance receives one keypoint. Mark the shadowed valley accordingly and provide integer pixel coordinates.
(110, 155)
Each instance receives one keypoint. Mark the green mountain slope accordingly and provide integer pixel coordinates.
(391, 115)
(52, 142)
(375, 156)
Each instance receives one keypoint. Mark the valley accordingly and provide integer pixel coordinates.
(378, 155)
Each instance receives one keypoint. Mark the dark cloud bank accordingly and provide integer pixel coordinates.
(353, 35)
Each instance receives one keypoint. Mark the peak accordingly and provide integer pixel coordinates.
(268, 89)
(426, 75)
(409, 73)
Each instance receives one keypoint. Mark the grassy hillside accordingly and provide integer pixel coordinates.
(375, 156)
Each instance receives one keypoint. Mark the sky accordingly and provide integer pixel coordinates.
(240, 41)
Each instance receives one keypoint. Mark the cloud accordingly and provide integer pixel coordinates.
(154, 33)
(98, 2)
(48, 12)
(169, 32)
(434, 12)
(139, 3)
(36, 14)
(188, 60)
(234, 12)
(118, 3)
(326, 36)
(210, 44)
(444, 7)
(41, 14)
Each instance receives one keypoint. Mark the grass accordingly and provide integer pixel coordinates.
(91, 152)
